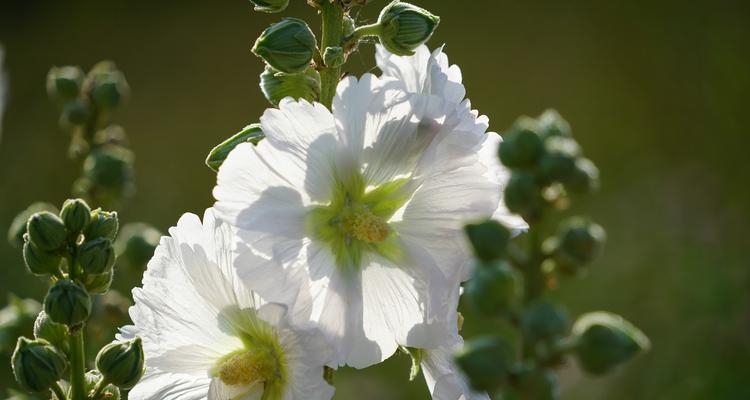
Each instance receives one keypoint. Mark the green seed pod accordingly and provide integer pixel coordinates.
(522, 147)
(552, 124)
(489, 239)
(15, 320)
(121, 363)
(495, 288)
(544, 321)
(523, 195)
(136, 244)
(277, 85)
(110, 392)
(18, 226)
(96, 256)
(485, 361)
(578, 242)
(56, 334)
(404, 27)
(67, 303)
(103, 224)
(40, 262)
(99, 283)
(584, 178)
(559, 160)
(64, 83)
(606, 340)
(538, 385)
(76, 215)
(251, 133)
(37, 365)
(270, 6)
(287, 46)
(75, 113)
(46, 231)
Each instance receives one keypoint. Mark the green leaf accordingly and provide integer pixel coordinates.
(251, 133)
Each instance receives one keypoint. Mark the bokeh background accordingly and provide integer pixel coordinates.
(658, 93)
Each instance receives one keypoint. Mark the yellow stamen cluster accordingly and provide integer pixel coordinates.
(247, 367)
(366, 226)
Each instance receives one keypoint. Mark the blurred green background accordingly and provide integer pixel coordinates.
(658, 93)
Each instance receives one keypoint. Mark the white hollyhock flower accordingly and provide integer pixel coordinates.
(444, 378)
(206, 336)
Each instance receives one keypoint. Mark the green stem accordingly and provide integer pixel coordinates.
(533, 271)
(99, 388)
(59, 393)
(361, 32)
(333, 31)
(77, 366)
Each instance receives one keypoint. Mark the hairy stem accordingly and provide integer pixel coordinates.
(333, 30)
(77, 366)
(59, 393)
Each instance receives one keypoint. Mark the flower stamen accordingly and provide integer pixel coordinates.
(365, 226)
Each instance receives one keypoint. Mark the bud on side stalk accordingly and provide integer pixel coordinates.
(277, 85)
(404, 27)
(96, 256)
(606, 340)
(64, 83)
(76, 215)
(251, 133)
(40, 262)
(103, 224)
(486, 361)
(67, 303)
(46, 231)
(495, 288)
(489, 239)
(37, 365)
(56, 334)
(121, 363)
(287, 46)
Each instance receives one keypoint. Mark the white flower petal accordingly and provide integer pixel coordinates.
(168, 386)
(444, 379)
(499, 174)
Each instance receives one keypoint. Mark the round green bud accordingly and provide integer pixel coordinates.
(270, 6)
(489, 239)
(56, 334)
(99, 283)
(109, 90)
(578, 242)
(485, 360)
(251, 133)
(277, 85)
(75, 112)
(538, 385)
(15, 320)
(522, 146)
(404, 27)
(584, 178)
(495, 288)
(37, 365)
(64, 83)
(96, 256)
(523, 195)
(136, 244)
(544, 321)
(110, 170)
(287, 46)
(18, 226)
(559, 158)
(67, 303)
(103, 224)
(40, 262)
(552, 124)
(75, 214)
(46, 231)
(110, 392)
(121, 363)
(606, 340)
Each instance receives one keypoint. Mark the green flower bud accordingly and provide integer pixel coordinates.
(136, 244)
(578, 242)
(96, 256)
(64, 83)
(121, 363)
(46, 231)
(110, 168)
(75, 113)
(489, 239)
(495, 288)
(404, 27)
(333, 56)
(76, 215)
(605, 341)
(109, 90)
(270, 6)
(522, 146)
(538, 385)
(99, 283)
(15, 320)
(56, 334)
(40, 262)
(584, 178)
(110, 392)
(287, 46)
(523, 195)
(552, 124)
(251, 133)
(37, 365)
(277, 85)
(544, 321)
(559, 158)
(67, 303)
(485, 361)
(103, 224)
(18, 226)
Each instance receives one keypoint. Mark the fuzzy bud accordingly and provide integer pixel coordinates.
(37, 365)
(578, 242)
(67, 303)
(18, 227)
(584, 178)
(277, 85)
(109, 90)
(251, 133)
(40, 262)
(605, 341)
(522, 147)
(56, 334)
(76, 215)
(495, 288)
(96, 256)
(64, 83)
(489, 239)
(110, 392)
(46, 231)
(523, 195)
(121, 363)
(287, 46)
(544, 321)
(404, 27)
(104, 224)
(559, 160)
(486, 361)
(99, 283)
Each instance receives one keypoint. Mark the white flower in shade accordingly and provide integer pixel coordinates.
(444, 378)
(206, 336)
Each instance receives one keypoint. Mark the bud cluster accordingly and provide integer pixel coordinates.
(88, 102)
(511, 275)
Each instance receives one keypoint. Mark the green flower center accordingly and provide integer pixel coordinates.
(246, 366)
(355, 221)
